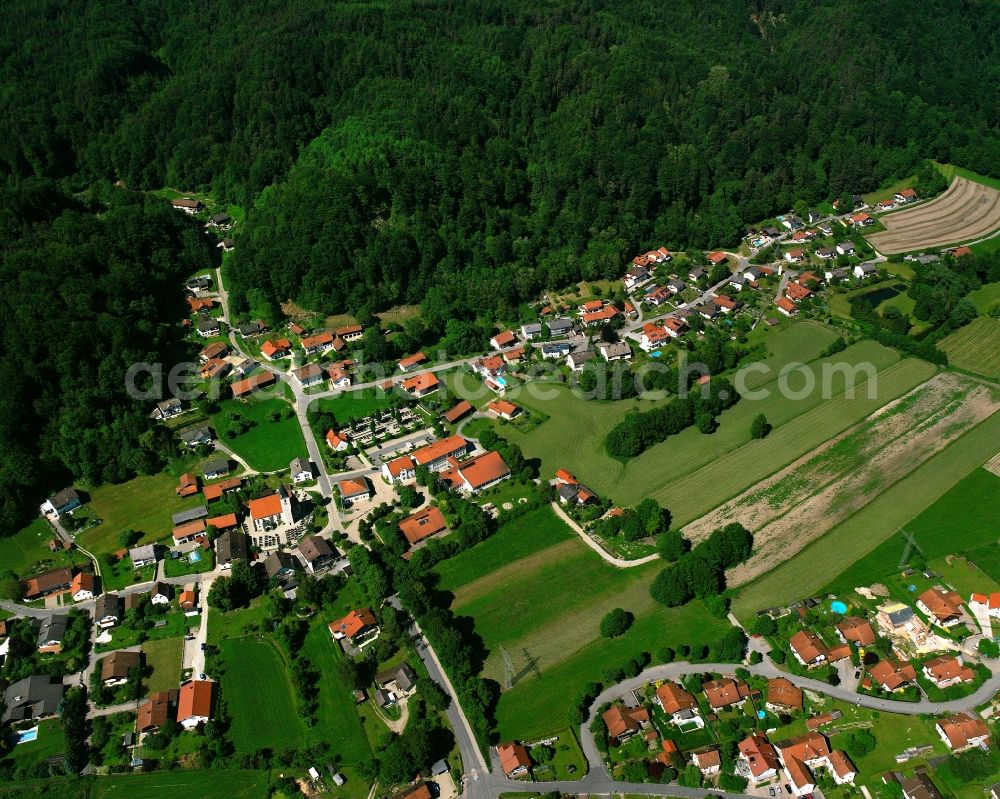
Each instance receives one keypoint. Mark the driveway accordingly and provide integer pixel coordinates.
(201, 639)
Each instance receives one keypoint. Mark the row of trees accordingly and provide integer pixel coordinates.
(632, 524)
(701, 571)
(640, 430)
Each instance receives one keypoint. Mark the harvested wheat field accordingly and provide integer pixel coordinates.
(966, 211)
(802, 502)
(993, 465)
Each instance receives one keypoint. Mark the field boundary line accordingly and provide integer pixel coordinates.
(917, 507)
(884, 487)
(826, 443)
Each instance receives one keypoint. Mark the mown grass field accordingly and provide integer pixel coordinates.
(893, 732)
(691, 473)
(354, 404)
(797, 505)
(163, 658)
(856, 537)
(267, 446)
(49, 743)
(950, 171)
(64, 787)
(699, 492)
(975, 347)
(985, 297)
(206, 784)
(267, 716)
(508, 544)
(144, 504)
(551, 602)
(962, 520)
(338, 722)
(888, 191)
(268, 706)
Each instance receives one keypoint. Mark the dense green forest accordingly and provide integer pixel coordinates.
(491, 149)
(85, 297)
(458, 155)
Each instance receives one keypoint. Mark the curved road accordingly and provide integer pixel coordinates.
(598, 780)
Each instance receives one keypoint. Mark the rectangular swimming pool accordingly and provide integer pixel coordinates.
(25, 736)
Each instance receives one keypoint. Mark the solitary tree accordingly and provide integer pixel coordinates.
(616, 623)
(760, 427)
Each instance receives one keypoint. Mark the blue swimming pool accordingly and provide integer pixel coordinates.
(656, 354)
(500, 381)
(26, 735)
(838, 607)
(195, 556)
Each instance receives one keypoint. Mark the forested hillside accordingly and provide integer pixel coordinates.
(84, 298)
(492, 148)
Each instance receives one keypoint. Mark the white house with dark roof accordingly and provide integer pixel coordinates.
(143, 555)
(301, 470)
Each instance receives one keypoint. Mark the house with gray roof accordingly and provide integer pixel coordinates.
(560, 326)
(208, 326)
(230, 547)
(301, 470)
(189, 515)
(251, 329)
(143, 555)
(577, 360)
(62, 502)
(51, 633)
(216, 468)
(167, 409)
(400, 679)
(618, 351)
(556, 349)
(317, 552)
(34, 697)
(280, 565)
(108, 610)
(196, 436)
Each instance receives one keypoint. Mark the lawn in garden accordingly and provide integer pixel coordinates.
(269, 444)
(163, 660)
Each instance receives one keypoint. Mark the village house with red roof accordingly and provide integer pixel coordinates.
(358, 626)
(962, 731)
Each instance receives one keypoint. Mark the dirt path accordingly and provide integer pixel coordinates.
(800, 503)
(396, 725)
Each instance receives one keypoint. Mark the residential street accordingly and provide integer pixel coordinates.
(484, 785)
